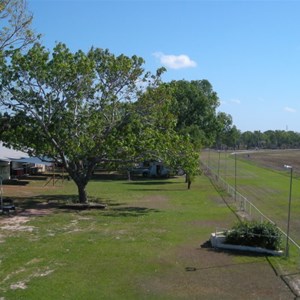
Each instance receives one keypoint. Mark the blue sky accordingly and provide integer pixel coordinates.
(248, 50)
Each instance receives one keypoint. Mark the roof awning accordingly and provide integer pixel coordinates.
(7, 154)
(32, 160)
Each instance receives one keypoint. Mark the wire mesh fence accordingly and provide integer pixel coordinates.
(243, 205)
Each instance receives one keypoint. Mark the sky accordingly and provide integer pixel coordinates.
(248, 50)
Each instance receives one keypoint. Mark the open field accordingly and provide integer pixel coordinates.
(276, 159)
(150, 243)
(260, 176)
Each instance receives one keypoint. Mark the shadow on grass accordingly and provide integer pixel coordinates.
(40, 205)
(67, 203)
(15, 182)
(37, 177)
(220, 191)
(108, 177)
(129, 211)
(193, 269)
(208, 247)
(24, 180)
(154, 185)
(147, 182)
(159, 190)
(45, 204)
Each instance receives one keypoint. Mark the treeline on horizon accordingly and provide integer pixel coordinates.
(270, 139)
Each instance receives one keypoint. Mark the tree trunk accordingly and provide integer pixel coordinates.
(81, 185)
(82, 195)
(189, 184)
(81, 174)
(188, 180)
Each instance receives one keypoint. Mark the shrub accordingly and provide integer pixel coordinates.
(255, 234)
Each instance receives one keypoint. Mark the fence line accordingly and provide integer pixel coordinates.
(242, 203)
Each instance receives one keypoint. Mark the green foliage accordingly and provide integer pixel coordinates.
(194, 105)
(81, 109)
(70, 107)
(226, 134)
(265, 235)
(15, 23)
(270, 139)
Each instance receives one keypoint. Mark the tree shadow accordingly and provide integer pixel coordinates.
(25, 179)
(158, 190)
(39, 204)
(36, 177)
(149, 182)
(31, 205)
(108, 176)
(15, 182)
(41, 200)
(129, 211)
(154, 185)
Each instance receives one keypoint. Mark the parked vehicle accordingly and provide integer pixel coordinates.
(151, 169)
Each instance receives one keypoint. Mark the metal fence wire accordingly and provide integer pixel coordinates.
(242, 204)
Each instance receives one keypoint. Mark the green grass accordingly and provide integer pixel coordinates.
(109, 254)
(266, 188)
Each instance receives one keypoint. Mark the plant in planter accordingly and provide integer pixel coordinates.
(251, 233)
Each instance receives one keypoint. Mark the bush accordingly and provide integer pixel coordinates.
(265, 235)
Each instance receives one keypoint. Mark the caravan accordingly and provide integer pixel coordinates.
(151, 168)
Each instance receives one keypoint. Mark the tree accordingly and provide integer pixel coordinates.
(151, 133)
(224, 129)
(81, 109)
(248, 139)
(15, 23)
(195, 106)
(270, 139)
(232, 138)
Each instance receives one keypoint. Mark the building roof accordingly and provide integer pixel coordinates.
(8, 154)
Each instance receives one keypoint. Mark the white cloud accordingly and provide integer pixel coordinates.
(175, 61)
(289, 109)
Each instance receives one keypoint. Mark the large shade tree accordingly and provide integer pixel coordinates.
(15, 33)
(166, 143)
(195, 104)
(15, 22)
(226, 134)
(81, 109)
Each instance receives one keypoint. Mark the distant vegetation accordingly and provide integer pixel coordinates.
(270, 139)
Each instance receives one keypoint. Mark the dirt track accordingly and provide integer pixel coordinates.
(275, 159)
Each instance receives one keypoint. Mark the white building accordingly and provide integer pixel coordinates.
(17, 163)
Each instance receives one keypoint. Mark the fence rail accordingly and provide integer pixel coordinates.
(241, 202)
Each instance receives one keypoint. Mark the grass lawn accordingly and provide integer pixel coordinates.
(140, 247)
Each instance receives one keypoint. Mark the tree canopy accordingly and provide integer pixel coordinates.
(15, 21)
(195, 103)
(81, 109)
(270, 139)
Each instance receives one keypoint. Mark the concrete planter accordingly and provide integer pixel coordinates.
(217, 240)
